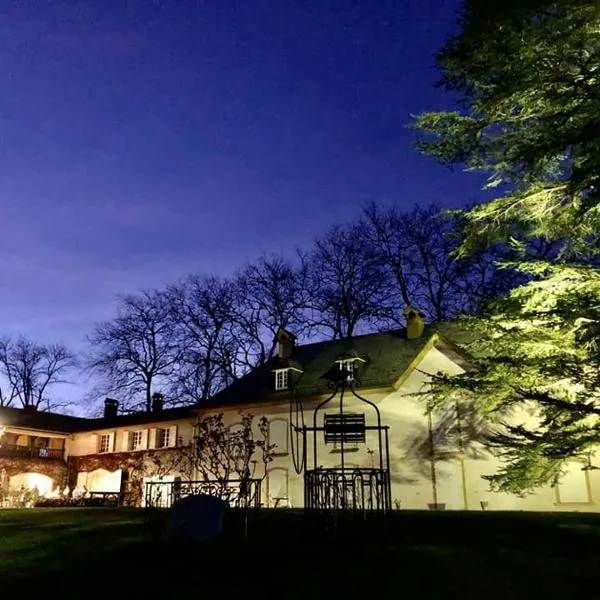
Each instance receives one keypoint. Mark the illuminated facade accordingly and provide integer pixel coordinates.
(435, 459)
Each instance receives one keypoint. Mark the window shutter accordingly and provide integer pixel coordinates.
(173, 436)
(152, 438)
(144, 444)
(125, 441)
(112, 442)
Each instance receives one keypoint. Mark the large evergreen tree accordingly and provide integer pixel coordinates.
(527, 73)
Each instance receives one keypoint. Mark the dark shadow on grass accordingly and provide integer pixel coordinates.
(445, 555)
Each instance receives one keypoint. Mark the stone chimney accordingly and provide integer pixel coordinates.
(158, 402)
(415, 323)
(111, 408)
(286, 342)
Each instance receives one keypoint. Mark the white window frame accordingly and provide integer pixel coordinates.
(163, 435)
(137, 439)
(282, 379)
(350, 365)
(101, 447)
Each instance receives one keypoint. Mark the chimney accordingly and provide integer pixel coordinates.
(158, 401)
(111, 408)
(415, 323)
(285, 343)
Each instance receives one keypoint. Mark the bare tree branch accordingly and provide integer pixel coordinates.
(135, 350)
(30, 369)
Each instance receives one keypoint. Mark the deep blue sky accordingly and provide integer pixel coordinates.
(143, 140)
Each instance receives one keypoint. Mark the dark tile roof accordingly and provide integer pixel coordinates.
(57, 423)
(141, 418)
(43, 421)
(387, 355)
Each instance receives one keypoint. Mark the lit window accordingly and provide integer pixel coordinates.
(281, 379)
(136, 440)
(349, 366)
(162, 438)
(105, 442)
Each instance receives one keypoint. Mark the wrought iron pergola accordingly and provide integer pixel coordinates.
(344, 487)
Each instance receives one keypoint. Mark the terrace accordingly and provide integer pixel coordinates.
(14, 445)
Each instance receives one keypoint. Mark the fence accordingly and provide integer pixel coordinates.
(347, 489)
(237, 493)
(14, 451)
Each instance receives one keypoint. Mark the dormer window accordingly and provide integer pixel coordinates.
(349, 366)
(282, 379)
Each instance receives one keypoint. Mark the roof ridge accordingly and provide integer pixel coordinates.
(362, 335)
(21, 409)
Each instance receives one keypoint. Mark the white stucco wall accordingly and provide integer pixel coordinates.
(453, 478)
(81, 444)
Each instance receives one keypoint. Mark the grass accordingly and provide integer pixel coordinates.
(89, 553)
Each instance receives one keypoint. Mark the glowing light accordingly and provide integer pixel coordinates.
(32, 481)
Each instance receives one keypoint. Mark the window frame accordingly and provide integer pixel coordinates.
(139, 445)
(163, 435)
(282, 379)
(103, 437)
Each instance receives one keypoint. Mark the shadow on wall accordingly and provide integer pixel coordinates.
(444, 435)
(459, 431)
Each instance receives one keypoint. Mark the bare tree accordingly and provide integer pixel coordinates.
(348, 286)
(203, 310)
(223, 452)
(417, 249)
(135, 350)
(272, 293)
(28, 371)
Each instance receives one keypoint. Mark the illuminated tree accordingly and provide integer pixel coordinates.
(528, 78)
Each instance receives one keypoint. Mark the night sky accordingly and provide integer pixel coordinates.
(141, 141)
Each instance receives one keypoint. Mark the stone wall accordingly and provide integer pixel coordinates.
(134, 466)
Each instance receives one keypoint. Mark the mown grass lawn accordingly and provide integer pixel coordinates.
(94, 553)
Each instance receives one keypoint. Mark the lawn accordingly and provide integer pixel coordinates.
(89, 553)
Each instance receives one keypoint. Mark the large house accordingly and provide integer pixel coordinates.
(435, 460)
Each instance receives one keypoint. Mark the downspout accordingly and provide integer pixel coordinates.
(432, 459)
